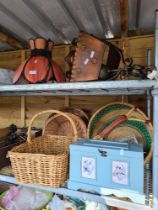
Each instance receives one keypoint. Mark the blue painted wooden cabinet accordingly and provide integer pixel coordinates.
(108, 168)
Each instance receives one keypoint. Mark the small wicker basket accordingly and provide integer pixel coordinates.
(58, 125)
(43, 160)
(76, 111)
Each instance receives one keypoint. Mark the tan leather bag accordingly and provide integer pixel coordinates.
(88, 58)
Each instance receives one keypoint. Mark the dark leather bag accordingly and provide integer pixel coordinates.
(88, 58)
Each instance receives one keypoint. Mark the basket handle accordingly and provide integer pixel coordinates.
(51, 111)
(109, 128)
(117, 122)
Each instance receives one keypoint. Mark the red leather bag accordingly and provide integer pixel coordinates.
(39, 67)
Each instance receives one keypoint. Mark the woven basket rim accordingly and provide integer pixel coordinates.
(78, 109)
(36, 141)
(80, 112)
(37, 154)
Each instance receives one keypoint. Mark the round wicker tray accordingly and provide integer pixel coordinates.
(105, 113)
(137, 125)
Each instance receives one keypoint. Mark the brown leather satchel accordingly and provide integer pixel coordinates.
(83, 72)
(88, 58)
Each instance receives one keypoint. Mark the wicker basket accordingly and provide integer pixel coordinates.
(76, 111)
(58, 125)
(43, 160)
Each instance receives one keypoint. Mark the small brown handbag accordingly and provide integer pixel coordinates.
(88, 58)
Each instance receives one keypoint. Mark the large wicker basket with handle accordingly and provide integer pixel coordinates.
(43, 160)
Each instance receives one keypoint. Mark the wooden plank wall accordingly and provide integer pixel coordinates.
(13, 109)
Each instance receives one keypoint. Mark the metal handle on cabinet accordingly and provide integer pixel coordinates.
(103, 153)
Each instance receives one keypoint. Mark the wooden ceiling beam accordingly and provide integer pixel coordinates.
(10, 41)
(124, 17)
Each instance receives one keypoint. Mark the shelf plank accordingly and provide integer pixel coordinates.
(108, 200)
(122, 87)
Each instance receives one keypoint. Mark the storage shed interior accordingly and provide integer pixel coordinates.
(128, 24)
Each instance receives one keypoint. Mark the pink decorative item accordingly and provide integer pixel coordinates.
(8, 197)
